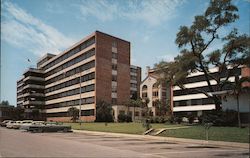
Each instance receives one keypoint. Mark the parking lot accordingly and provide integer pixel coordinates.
(16, 143)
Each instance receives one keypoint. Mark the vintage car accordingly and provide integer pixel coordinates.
(10, 124)
(26, 125)
(3, 124)
(49, 128)
(17, 124)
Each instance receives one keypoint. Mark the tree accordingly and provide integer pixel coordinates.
(145, 102)
(134, 103)
(195, 41)
(103, 112)
(160, 108)
(74, 113)
(18, 113)
(5, 103)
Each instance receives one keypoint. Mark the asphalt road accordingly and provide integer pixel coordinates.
(16, 143)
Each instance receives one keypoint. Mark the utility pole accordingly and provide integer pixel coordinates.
(80, 101)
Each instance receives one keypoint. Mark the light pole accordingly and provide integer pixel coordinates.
(80, 101)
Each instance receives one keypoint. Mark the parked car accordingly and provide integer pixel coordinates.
(27, 124)
(17, 124)
(185, 119)
(10, 124)
(49, 128)
(3, 124)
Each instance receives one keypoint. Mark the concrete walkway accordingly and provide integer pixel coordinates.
(155, 132)
(169, 139)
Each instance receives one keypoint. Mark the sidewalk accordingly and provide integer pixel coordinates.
(169, 139)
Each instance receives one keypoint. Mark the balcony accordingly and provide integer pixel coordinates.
(33, 86)
(34, 94)
(33, 78)
(20, 102)
(30, 102)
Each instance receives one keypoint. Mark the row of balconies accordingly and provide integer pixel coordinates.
(31, 102)
(34, 94)
(34, 78)
(33, 86)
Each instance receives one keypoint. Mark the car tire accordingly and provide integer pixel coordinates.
(40, 130)
(65, 130)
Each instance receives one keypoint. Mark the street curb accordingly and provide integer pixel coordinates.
(170, 139)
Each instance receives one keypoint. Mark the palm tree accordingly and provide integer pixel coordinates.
(158, 105)
(145, 104)
(237, 89)
(103, 112)
(74, 113)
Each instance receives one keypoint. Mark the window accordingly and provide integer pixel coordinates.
(155, 94)
(114, 66)
(121, 112)
(114, 101)
(114, 89)
(114, 44)
(130, 113)
(137, 113)
(133, 78)
(144, 87)
(114, 78)
(144, 95)
(114, 55)
(133, 85)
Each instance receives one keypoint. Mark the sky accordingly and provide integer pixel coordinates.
(32, 28)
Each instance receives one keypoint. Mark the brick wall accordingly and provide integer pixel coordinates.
(104, 68)
(68, 119)
(245, 72)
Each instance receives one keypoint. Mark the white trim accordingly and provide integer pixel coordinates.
(86, 83)
(202, 83)
(114, 72)
(194, 108)
(114, 49)
(69, 98)
(133, 88)
(133, 81)
(133, 74)
(189, 96)
(113, 95)
(85, 72)
(85, 61)
(114, 61)
(65, 109)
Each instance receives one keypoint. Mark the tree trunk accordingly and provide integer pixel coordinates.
(217, 103)
(134, 114)
(238, 111)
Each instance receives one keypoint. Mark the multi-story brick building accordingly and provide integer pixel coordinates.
(96, 68)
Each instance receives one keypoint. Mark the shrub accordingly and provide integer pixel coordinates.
(190, 119)
(221, 118)
(178, 120)
(124, 118)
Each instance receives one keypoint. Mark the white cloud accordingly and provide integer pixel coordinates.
(21, 29)
(152, 12)
(102, 10)
(168, 57)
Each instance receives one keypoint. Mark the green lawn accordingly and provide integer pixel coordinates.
(130, 128)
(230, 134)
